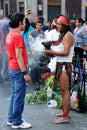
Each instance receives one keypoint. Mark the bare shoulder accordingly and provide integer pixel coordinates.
(69, 34)
(69, 37)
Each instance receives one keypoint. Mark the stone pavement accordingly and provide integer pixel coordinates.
(40, 116)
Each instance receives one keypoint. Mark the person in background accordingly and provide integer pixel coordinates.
(26, 34)
(18, 64)
(45, 27)
(64, 53)
(9, 28)
(4, 25)
(1, 81)
(79, 22)
(78, 49)
(35, 68)
(33, 25)
(83, 32)
(53, 34)
(38, 30)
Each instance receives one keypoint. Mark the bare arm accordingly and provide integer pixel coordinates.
(21, 63)
(20, 59)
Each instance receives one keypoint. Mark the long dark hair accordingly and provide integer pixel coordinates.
(64, 31)
(27, 25)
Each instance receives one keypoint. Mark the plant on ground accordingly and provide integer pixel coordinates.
(40, 97)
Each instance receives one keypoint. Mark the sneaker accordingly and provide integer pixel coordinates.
(24, 125)
(9, 123)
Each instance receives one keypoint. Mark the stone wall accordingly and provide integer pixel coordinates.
(73, 8)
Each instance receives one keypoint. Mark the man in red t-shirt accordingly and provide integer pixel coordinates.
(14, 41)
(18, 63)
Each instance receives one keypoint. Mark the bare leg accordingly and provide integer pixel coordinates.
(64, 84)
(64, 87)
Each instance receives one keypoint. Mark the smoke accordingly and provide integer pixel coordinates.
(37, 45)
(37, 51)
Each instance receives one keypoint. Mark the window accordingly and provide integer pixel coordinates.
(86, 13)
(6, 9)
(21, 7)
(40, 7)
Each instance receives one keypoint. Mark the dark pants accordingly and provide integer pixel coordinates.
(78, 59)
(35, 74)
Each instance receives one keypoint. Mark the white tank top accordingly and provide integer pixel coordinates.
(68, 58)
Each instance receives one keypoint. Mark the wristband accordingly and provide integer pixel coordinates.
(24, 72)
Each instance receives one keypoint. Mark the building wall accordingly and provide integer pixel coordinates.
(32, 5)
(6, 7)
(84, 9)
(1, 4)
(53, 9)
(13, 5)
(45, 10)
(1, 9)
(73, 8)
(35, 5)
(63, 6)
(9, 6)
(17, 3)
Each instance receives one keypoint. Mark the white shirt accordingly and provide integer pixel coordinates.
(68, 58)
(52, 35)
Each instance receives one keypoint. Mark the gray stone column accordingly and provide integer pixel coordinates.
(84, 2)
(0, 4)
(45, 10)
(63, 6)
(32, 4)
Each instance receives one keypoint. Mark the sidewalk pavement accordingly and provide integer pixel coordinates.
(40, 116)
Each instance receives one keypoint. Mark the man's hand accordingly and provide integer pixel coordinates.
(27, 78)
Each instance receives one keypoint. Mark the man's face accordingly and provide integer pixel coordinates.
(39, 26)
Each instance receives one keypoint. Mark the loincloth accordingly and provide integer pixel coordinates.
(68, 68)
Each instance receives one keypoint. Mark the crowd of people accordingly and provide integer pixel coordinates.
(16, 49)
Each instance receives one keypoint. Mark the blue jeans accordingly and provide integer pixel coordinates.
(16, 106)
